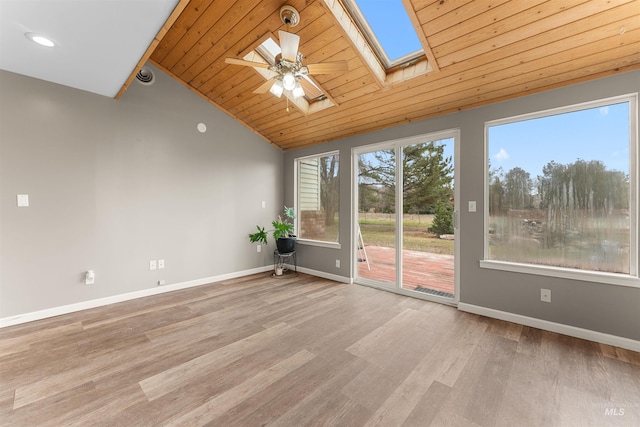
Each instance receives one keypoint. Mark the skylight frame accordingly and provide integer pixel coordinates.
(363, 25)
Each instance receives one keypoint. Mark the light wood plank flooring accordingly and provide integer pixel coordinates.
(305, 351)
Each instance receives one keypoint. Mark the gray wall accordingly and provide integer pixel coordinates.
(114, 184)
(604, 308)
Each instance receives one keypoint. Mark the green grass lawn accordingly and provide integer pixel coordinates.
(379, 230)
(416, 238)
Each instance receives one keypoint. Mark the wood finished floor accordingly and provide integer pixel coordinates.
(305, 351)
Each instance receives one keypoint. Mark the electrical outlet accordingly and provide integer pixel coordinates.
(264, 204)
(160, 264)
(545, 295)
(259, 248)
(23, 200)
(90, 277)
(153, 264)
(337, 263)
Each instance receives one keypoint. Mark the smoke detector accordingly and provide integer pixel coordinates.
(289, 16)
(145, 76)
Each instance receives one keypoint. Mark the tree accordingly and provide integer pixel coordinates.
(329, 182)
(443, 219)
(517, 189)
(369, 197)
(576, 193)
(496, 191)
(427, 175)
(582, 185)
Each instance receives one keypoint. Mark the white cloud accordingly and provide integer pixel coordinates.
(604, 111)
(502, 155)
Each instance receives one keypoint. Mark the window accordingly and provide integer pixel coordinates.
(562, 189)
(318, 197)
(388, 28)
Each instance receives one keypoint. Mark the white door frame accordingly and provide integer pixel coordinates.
(396, 144)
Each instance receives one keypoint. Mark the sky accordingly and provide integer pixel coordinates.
(389, 21)
(594, 134)
(600, 133)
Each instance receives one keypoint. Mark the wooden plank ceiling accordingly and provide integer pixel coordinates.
(479, 52)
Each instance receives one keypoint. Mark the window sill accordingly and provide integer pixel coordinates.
(564, 273)
(331, 245)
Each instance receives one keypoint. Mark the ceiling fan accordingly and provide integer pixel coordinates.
(288, 68)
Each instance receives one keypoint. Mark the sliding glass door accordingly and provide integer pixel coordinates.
(404, 237)
(376, 224)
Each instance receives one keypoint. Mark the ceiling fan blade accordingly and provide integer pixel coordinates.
(235, 61)
(309, 89)
(328, 67)
(289, 45)
(264, 87)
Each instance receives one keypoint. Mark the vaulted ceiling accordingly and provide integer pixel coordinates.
(476, 52)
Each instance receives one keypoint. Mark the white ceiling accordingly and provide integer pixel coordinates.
(98, 42)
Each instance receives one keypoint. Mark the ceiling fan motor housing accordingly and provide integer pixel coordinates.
(289, 15)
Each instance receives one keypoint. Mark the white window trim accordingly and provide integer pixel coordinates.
(564, 273)
(319, 243)
(632, 279)
(296, 204)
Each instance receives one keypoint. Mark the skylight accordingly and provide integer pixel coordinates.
(387, 26)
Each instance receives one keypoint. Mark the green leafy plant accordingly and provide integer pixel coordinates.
(281, 228)
(443, 219)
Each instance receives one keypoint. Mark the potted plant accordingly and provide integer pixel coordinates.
(282, 232)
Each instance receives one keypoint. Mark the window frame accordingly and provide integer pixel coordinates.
(371, 37)
(296, 204)
(632, 279)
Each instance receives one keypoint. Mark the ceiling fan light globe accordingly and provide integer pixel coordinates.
(277, 88)
(298, 91)
(288, 81)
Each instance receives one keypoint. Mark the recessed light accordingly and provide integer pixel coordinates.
(41, 40)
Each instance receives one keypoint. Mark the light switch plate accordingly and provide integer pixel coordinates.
(23, 200)
(472, 205)
(153, 264)
(160, 264)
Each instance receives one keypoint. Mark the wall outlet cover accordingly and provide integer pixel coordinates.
(23, 200)
(545, 295)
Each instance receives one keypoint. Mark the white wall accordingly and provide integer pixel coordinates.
(114, 184)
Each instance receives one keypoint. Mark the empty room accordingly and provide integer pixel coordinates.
(319, 212)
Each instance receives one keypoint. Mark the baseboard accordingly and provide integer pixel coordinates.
(560, 328)
(71, 308)
(324, 275)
